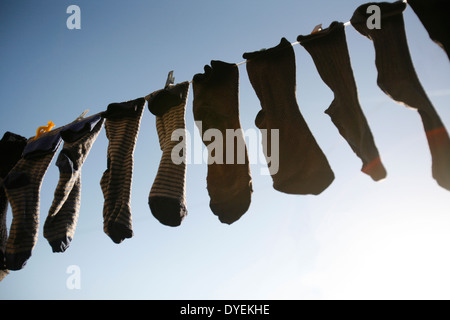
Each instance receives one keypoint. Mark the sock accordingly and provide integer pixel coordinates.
(167, 198)
(122, 128)
(434, 16)
(59, 227)
(216, 107)
(398, 79)
(329, 51)
(22, 185)
(303, 167)
(11, 148)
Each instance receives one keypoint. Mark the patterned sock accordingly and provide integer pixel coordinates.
(11, 148)
(22, 185)
(216, 105)
(59, 227)
(329, 51)
(398, 79)
(167, 198)
(122, 128)
(303, 167)
(434, 16)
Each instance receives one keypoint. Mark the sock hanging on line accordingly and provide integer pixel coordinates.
(167, 198)
(216, 108)
(398, 79)
(122, 129)
(11, 148)
(23, 185)
(59, 227)
(329, 51)
(303, 167)
(434, 16)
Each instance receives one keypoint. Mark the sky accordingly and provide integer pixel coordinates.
(359, 239)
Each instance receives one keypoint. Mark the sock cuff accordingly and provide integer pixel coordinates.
(77, 130)
(118, 110)
(334, 29)
(162, 100)
(274, 51)
(46, 144)
(387, 10)
(216, 72)
(11, 148)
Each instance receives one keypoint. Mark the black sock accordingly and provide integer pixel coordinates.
(303, 167)
(328, 48)
(398, 79)
(216, 105)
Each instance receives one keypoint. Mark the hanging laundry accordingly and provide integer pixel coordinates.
(59, 227)
(434, 16)
(398, 79)
(216, 107)
(167, 198)
(11, 148)
(303, 167)
(328, 48)
(122, 128)
(22, 185)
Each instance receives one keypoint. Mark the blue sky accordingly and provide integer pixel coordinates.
(358, 239)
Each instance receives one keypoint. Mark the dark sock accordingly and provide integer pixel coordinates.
(167, 198)
(216, 105)
(398, 79)
(60, 225)
(303, 167)
(11, 148)
(23, 185)
(122, 128)
(434, 16)
(329, 51)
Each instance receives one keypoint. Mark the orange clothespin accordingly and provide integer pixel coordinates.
(317, 29)
(43, 129)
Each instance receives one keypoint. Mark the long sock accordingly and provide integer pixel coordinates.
(303, 167)
(167, 198)
(22, 185)
(11, 148)
(398, 79)
(122, 128)
(60, 225)
(434, 16)
(216, 108)
(329, 51)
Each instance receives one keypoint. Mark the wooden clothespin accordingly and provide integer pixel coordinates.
(170, 80)
(317, 28)
(82, 115)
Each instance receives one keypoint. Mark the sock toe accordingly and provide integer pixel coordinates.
(168, 211)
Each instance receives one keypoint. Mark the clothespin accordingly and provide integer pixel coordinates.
(43, 129)
(170, 80)
(82, 115)
(317, 28)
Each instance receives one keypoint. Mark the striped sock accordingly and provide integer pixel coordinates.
(59, 227)
(216, 106)
(11, 148)
(329, 51)
(23, 184)
(398, 79)
(167, 199)
(122, 128)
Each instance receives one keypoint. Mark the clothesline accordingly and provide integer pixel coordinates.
(346, 24)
